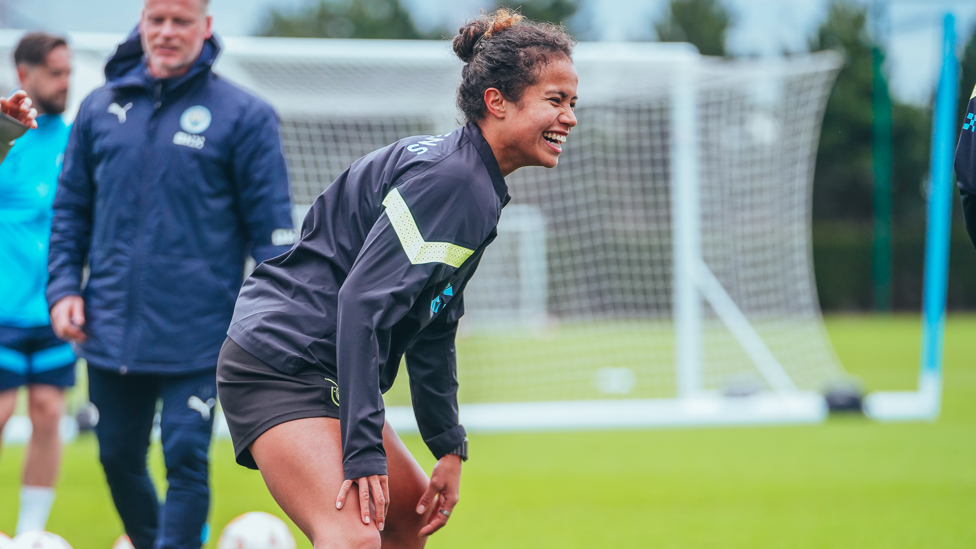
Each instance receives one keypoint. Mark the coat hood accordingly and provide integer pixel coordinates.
(129, 56)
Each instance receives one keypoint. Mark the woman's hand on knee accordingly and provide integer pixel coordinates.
(443, 492)
(379, 486)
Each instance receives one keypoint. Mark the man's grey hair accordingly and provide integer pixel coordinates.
(204, 5)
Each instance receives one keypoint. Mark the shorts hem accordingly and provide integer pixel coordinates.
(241, 452)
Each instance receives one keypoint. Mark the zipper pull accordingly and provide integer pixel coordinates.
(159, 93)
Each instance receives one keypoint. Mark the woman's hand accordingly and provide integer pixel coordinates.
(445, 484)
(18, 106)
(379, 485)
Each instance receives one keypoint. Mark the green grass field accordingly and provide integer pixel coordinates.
(848, 483)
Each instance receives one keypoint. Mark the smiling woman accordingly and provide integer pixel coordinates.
(519, 86)
(378, 274)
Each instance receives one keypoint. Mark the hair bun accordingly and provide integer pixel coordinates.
(467, 37)
(479, 30)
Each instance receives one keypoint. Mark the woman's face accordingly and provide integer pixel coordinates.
(543, 117)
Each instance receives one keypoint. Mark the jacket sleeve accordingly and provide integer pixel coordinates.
(408, 248)
(10, 129)
(432, 368)
(966, 167)
(71, 228)
(379, 291)
(261, 180)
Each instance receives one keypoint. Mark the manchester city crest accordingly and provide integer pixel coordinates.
(195, 119)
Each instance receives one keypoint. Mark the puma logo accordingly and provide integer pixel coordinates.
(115, 109)
(195, 403)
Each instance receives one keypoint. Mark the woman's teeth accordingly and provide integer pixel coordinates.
(554, 137)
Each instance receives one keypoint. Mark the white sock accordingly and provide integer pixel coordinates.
(35, 506)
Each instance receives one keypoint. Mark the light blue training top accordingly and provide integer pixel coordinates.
(28, 181)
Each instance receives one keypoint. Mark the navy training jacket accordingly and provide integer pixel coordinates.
(966, 167)
(378, 272)
(166, 186)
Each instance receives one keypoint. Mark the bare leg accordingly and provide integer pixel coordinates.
(46, 405)
(8, 401)
(408, 481)
(301, 462)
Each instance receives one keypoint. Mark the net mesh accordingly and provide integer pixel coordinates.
(574, 300)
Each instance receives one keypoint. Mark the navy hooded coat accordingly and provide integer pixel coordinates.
(166, 186)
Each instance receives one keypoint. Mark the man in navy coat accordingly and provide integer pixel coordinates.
(171, 177)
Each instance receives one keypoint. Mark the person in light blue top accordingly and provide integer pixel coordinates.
(30, 353)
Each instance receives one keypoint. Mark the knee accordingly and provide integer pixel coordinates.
(45, 416)
(360, 538)
(406, 538)
(117, 456)
(186, 455)
(115, 459)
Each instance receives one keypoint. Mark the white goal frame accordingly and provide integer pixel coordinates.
(694, 285)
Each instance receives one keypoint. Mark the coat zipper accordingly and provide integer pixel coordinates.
(132, 332)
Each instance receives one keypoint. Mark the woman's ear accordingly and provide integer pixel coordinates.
(496, 103)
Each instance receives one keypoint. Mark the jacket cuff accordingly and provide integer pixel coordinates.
(58, 289)
(446, 441)
(363, 468)
(11, 128)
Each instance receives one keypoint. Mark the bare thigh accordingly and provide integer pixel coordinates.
(301, 462)
(408, 481)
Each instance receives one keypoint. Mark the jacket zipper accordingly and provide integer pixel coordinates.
(132, 332)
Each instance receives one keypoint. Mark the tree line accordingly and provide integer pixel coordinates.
(843, 181)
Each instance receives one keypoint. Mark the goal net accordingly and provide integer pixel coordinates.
(661, 274)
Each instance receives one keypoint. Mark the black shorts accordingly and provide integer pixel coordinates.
(255, 397)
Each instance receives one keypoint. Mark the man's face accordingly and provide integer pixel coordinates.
(173, 33)
(47, 84)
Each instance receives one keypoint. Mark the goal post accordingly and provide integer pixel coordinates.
(661, 275)
(925, 403)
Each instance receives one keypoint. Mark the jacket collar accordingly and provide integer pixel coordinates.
(127, 66)
(488, 157)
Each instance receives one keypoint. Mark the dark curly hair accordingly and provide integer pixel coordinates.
(505, 51)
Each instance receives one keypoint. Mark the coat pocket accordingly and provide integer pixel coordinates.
(185, 310)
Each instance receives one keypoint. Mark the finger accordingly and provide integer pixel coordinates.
(78, 314)
(78, 320)
(385, 485)
(26, 103)
(12, 103)
(433, 487)
(364, 499)
(380, 500)
(425, 500)
(346, 485)
(65, 330)
(436, 522)
(74, 334)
